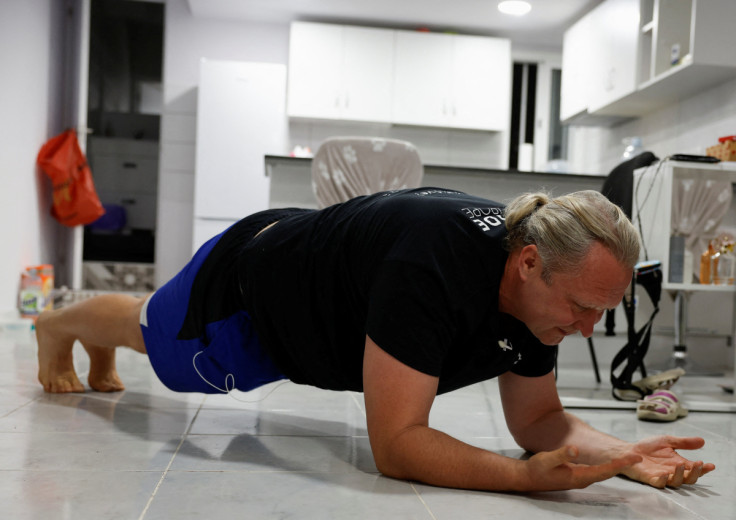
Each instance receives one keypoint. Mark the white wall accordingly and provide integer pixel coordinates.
(31, 53)
(689, 126)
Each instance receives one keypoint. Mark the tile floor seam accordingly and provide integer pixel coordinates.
(171, 461)
(19, 408)
(711, 432)
(357, 403)
(682, 506)
(419, 496)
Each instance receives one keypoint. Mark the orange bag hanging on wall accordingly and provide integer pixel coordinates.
(75, 199)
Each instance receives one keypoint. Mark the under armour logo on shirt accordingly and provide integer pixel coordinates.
(504, 344)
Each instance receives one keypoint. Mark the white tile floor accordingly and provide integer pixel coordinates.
(301, 453)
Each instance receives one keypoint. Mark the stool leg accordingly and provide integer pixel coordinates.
(594, 360)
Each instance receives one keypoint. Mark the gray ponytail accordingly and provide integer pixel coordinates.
(564, 229)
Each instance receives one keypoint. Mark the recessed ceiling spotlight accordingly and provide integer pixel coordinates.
(514, 7)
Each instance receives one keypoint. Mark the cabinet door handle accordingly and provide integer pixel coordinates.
(130, 165)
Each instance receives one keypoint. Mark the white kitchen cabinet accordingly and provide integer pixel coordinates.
(315, 70)
(685, 47)
(481, 83)
(340, 72)
(615, 52)
(577, 61)
(599, 61)
(642, 55)
(421, 88)
(452, 81)
(686, 34)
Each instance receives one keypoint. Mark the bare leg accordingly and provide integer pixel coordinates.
(100, 323)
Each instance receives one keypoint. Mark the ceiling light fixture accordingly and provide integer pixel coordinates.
(514, 7)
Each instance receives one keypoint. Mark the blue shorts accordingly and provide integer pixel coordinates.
(231, 358)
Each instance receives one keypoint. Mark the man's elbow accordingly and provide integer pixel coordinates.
(537, 436)
(393, 455)
(528, 441)
(390, 471)
(388, 463)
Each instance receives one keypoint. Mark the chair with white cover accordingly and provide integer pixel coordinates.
(347, 167)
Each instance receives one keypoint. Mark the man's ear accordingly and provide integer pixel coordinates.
(529, 261)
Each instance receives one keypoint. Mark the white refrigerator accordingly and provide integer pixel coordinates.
(241, 117)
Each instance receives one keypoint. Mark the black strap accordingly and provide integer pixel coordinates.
(649, 277)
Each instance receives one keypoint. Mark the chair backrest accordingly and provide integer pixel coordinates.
(619, 185)
(346, 167)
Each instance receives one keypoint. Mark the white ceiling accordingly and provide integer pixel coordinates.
(543, 27)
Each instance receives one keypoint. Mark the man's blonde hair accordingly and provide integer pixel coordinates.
(564, 228)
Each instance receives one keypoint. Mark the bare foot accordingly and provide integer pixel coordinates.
(55, 363)
(103, 376)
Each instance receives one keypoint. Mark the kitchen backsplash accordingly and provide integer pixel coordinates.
(435, 145)
(690, 126)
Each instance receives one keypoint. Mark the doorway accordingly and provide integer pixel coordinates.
(123, 114)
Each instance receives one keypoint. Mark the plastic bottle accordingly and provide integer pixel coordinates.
(726, 269)
(36, 286)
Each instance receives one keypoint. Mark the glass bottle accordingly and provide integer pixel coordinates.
(726, 268)
(705, 261)
(714, 268)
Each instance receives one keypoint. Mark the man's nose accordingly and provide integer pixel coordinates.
(586, 323)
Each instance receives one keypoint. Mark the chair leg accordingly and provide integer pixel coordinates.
(610, 322)
(594, 360)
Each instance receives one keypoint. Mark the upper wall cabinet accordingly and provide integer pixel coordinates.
(340, 72)
(615, 52)
(401, 77)
(577, 59)
(671, 49)
(598, 60)
(452, 81)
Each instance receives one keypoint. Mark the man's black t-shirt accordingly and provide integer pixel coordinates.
(416, 270)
